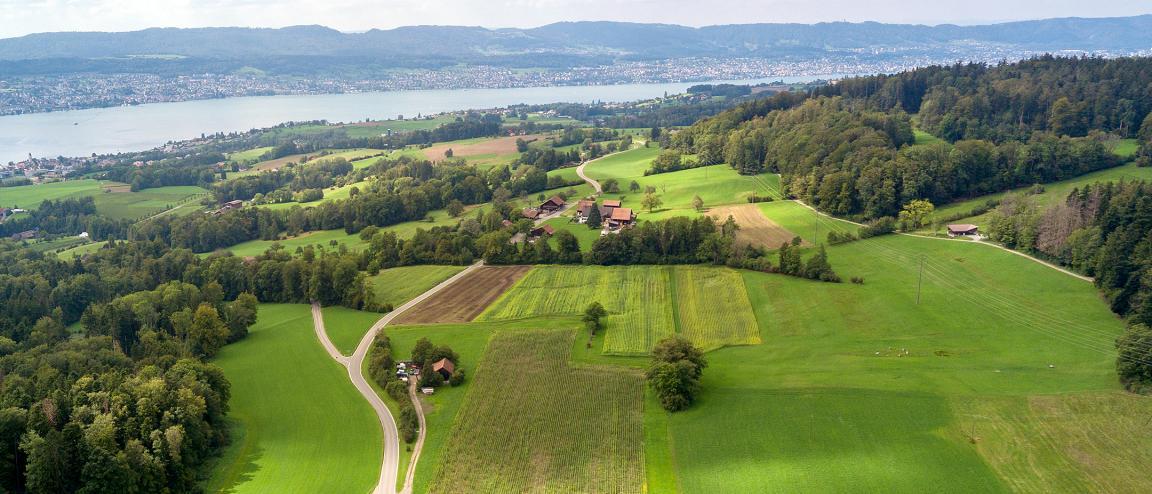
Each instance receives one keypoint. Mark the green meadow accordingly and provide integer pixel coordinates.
(396, 286)
(1053, 192)
(298, 423)
(717, 185)
(116, 205)
(858, 387)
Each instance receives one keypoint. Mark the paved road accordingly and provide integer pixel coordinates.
(390, 467)
(593, 183)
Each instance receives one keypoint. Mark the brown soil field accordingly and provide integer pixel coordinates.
(466, 298)
(499, 145)
(755, 228)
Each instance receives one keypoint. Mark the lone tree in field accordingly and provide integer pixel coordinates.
(634, 186)
(592, 316)
(698, 204)
(915, 213)
(675, 372)
(448, 153)
(651, 201)
(594, 219)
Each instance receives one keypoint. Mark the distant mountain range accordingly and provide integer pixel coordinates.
(575, 42)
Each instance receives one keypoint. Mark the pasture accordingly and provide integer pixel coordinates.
(717, 185)
(81, 250)
(147, 202)
(861, 388)
(645, 303)
(325, 238)
(1053, 192)
(396, 286)
(345, 327)
(466, 298)
(601, 439)
(299, 425)
(30, 196)
(112, 199)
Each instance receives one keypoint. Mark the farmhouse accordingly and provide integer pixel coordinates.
(233, 205)
(963, 230)
(444, 367)
(530, 213)
(552, 205)
(584, 209)
(621, 218)
(541, 231)
(611, 203)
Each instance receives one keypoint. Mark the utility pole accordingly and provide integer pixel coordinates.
(920, 282)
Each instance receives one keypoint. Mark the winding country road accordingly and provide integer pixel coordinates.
(390, 467)
(580, 173)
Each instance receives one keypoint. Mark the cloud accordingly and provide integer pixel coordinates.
(19, 17)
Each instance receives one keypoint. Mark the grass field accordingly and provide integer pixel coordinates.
(396, 286)
(1126, 148)
(603, 437)
(804, 222)
(80, 250)
(135, 205)
(858, 388)
(1056, 191)
(352, 242)
(299, 425)
(30, 196)
(249, 155)
(924, 138)
(717, 185)
(712, 308)
(120, 204)
(345, 327)
(645, 303)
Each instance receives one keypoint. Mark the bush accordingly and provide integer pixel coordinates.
(457, 378)
(398, 390)
(836, 238)
(757, 198)
(880, 226)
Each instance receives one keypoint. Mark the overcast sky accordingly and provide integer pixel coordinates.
(19, 17)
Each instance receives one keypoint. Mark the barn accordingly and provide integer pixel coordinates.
(963, 230)
(444, 367)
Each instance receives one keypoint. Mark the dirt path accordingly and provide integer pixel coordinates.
(410, 476)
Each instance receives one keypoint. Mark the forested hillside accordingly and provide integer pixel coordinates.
(849, 148)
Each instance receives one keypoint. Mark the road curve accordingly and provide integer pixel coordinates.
(389, 470)
(593, 183)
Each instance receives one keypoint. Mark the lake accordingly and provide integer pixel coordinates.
(136, 128)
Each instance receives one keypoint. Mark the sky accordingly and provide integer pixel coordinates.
(20, 17)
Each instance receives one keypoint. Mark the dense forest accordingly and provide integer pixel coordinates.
(848, 148)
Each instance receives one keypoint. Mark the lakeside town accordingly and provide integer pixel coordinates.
(22, 95)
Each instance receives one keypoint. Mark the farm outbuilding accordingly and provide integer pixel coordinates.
(963, 230)
(552, 204)
(445, 367)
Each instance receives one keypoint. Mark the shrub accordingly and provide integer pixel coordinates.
(457, 378)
